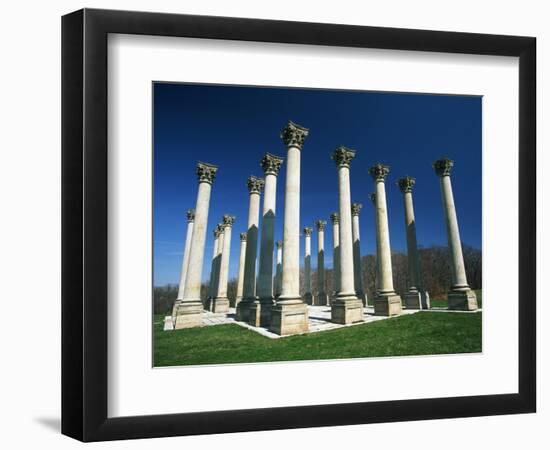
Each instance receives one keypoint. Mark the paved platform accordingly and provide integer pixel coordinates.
(319, 319)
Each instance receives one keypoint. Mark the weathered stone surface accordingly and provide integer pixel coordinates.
(289, 319)
(346, 311)
(188, 315)
(413, 300)
(387, 305)
(462, 300)
(220, 305)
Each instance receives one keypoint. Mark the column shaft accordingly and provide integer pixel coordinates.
(321, 296)
(385, 274)
(185, 260)
(308, 297)
(336, 253)
(279, 269)
(357, 265)
(240, 279)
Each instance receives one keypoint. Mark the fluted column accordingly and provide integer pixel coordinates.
(289, 315)
(221, 302)
(189, 311)
(260, 313)
(357, 265)
(335, 218)
(386, 302)
(308, 297)
(346, 308)
(185, 260)
(321, 296)
(416, 297)
(240, 279)
(460, 296)
(255, 186)
(279, 269)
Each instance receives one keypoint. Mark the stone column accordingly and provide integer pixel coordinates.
(279, 269)
(386, 302)
(460, 297)
(335, 218)
(346, 308)
(357, 265)
(321, 296)
(213, 283)
(260, 311)
(185, 261)
(255, 186)
(416, 297)
(289, 315)
(308, 297)
(189, 310)
(221, 302)
(240, 280)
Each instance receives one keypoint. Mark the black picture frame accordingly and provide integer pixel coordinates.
(84, 224)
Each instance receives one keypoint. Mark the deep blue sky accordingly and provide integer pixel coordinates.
(233, 127)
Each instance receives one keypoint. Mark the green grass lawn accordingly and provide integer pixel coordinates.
(424, 333)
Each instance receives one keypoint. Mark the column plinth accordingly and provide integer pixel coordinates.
(260, 311)
(189, 311)
(321, 298)
(460, 296)
(240, 278)
(289, 315)
(346, 307)
(357, 265)
(416, 297)
(308, 296)
(221, 302)
(387, 302)
(335, 218)
(255, 186)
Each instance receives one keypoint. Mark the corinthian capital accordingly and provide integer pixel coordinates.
(217, 231)
(206, 172)
(243, 237)
(356, 209)
(320, 224)
(307, 231)
(190, 215)
(294, 135)
(335, 217)
(406, 184)
(271, 164)
(443, 167)
(279, 244)
(379, 172)
(255, 184)
(228, 220)
(342, 156)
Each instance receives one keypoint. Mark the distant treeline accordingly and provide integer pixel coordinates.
(434, 265)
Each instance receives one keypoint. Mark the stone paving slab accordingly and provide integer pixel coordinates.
(319, 319)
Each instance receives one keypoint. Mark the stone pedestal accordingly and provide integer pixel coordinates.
(188, 312)
(289, 315)
(462, 300)
(413, 300)
(387, 305)
(346, 308)
(289, 319)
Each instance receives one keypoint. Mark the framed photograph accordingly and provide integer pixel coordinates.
(273, 224)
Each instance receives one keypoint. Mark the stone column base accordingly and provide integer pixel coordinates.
(462, 300)
(321, 299)
(413, 300)
(259, 313)
(387, 305)
(188, 314)
(289, 319)
(346, 310)
(243, 310)
(308, 298)
(220, 305)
